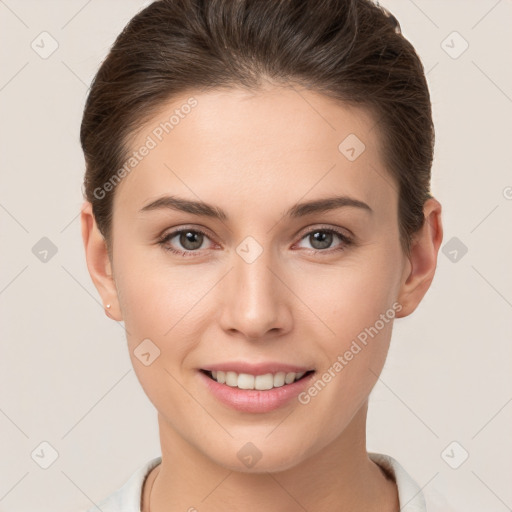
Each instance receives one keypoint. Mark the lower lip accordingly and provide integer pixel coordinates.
(252, 400)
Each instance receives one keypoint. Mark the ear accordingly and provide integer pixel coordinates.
(98, 262)
(420, 271)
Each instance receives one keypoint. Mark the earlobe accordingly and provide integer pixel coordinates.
(98, 262)
(423, 259)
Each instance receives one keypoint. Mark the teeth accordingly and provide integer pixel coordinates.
(279, 379)
(232, 379)
(258, 382)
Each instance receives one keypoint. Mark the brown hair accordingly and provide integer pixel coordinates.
(349, 50)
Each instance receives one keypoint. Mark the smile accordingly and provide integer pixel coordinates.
(257, 382)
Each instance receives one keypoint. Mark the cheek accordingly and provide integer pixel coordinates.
(161, 307)
(352, 358)
(352, 296)
(170, 306)
(155, 295)
(356, 305)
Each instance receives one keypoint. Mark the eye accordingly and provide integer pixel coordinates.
(322, 238)
(190, 239)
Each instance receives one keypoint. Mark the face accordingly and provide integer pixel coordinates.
(264, 285)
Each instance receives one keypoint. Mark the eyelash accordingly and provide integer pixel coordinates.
(346, 241)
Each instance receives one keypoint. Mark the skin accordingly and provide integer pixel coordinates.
(256, 154)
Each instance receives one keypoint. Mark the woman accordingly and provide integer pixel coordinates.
(257, 212)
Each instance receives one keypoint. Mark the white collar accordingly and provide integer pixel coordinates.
(410, 496)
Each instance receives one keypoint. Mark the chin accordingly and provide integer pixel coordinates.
(274, 465)
(254, 458)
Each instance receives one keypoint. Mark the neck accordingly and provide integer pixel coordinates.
(339, 477)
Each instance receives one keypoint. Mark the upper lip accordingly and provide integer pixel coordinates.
(256, 369)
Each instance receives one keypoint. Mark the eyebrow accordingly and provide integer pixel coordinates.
(299, 210)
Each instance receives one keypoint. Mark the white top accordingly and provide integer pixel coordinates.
(128, 497)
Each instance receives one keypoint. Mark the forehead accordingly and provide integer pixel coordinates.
(271, 146)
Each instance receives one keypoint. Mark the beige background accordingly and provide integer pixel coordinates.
(65, 374)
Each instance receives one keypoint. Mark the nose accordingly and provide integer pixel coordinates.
(255, 302)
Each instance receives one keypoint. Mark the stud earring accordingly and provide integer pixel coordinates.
(108, 306)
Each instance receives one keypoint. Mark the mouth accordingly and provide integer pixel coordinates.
(247, 381)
